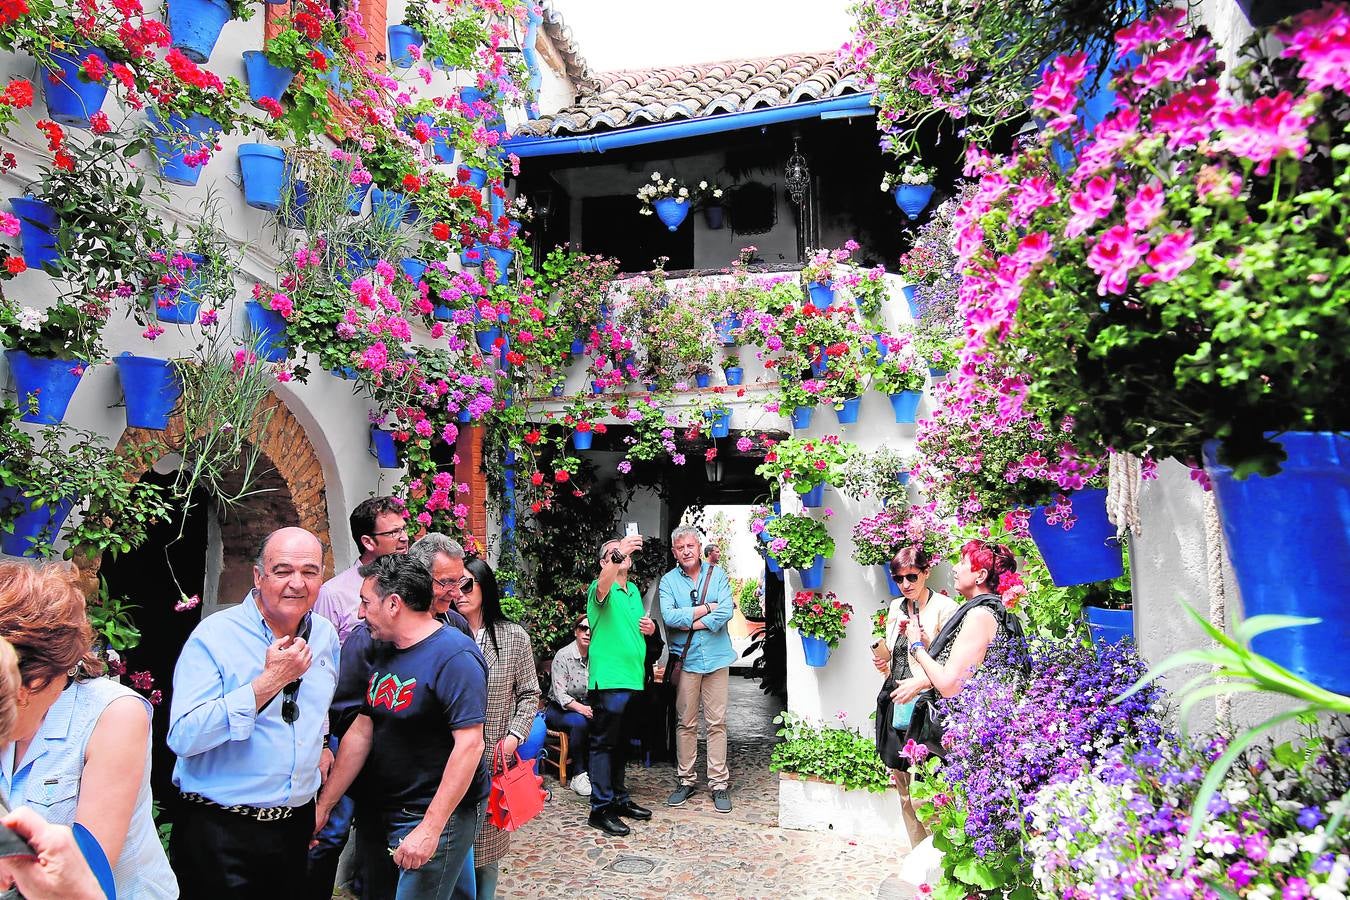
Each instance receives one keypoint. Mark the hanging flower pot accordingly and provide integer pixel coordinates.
(180, 306)
(44, 385)
(817, 651)
(402, 38)
(902, 477)
(477, 176)
(443, 313)
(582, 439)
(822, 295)
(195, 26)
(906, 406)
(719, 423)
(671, 211)
(346, 373)
(1085, 553)
(72, 98)
(702, 379)
(383, 447)
(391, 208)
(891, 584)
(727, 328)
(820, 363)
(37, 231)
(1272, 523)
(1109, 625)
(441, 148)
(813, 578)
(471, 256)
(152, 389)
(735, 375)
(713, 217)
(263, 168)
(848, 413)
(356, 198)
(937, 373)
(487, 337)
(882, 349)
(464, 417)
(36, 526)
(361, 259)
(578, 346)
(413, 268)
(501, 261)
(801, 416)
(265, 80)
(470, 96)
(912, 198)
(910, 301)
(181, 146)
(266, 330)
(496, 205)
(772, 566)
(813, 498)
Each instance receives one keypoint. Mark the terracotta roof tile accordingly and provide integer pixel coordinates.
(643, 96)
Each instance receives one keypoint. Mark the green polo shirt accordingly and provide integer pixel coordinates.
(618, 654)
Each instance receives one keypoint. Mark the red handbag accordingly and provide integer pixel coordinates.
(517, 794)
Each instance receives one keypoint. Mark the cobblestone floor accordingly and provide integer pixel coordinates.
(694, 852)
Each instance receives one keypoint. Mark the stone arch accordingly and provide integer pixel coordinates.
(282, 439)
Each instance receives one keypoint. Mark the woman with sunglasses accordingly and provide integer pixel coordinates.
(81, 744)
(513, 696)
(910, 568)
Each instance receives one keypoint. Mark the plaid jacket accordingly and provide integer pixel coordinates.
(513, 702)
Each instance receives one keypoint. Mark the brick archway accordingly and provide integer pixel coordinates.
(285, 443)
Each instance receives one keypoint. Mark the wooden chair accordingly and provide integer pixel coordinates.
(556, 740)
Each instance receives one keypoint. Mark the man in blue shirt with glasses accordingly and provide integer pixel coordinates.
(248, 722)
(696, 606)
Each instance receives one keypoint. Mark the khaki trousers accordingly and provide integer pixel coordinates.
(710, 692)
(916, 829)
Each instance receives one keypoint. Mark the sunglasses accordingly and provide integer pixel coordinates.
(585, 628)
(912, 577)
(290, 707)
(465, 584)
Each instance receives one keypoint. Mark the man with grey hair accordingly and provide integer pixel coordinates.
(443, 557)
(696, 607)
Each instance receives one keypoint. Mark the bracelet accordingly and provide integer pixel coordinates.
(916, 647)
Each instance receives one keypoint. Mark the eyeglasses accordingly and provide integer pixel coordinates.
(465, 584)
(585, 628)
(290, 707)
(402, 529)
(912, 577)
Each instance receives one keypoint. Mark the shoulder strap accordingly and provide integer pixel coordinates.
(953, 625)
(702, 597)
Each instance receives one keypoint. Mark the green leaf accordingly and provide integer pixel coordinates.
(978, 873)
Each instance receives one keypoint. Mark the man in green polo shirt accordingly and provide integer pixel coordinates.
(618, 660)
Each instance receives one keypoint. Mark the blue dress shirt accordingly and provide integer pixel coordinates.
(711, 649)
(228, 751)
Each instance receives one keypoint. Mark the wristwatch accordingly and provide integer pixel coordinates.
(916, 647)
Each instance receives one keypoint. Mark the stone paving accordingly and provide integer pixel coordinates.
(693, 852)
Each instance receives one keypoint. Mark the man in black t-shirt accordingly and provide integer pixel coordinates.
(417, 740)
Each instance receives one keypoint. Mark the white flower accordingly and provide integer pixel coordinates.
(717, 192)
(703, 185)
(31, 319)
(1281, 851)
(1237, 794)
(684, 192)
(656, 176)
(1327, 892)
(1313, 843)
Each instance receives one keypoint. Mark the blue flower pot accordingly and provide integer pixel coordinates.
(391, 208)
(1276, 526)
(501, 260)
(891, 584)
(735, 375)
(402, 38)
(720, 423)
(464, 417)
(413, 268)
(295, 212)
(470, 257)
(801, 416)
(906, 406)
(903, 478)
(71, 98)
(263, 168)
(822, 295)
(1109, 625)
(713, 217)
(772, 567)
(383, 447)
(266, 330)
(496, 205)
(34, 527)
(471, 95)
(911, 302)
(912, 198)
(671, 212)
(487, 337)
(820, 364)
(180, 307)
(37, 231)
(848, 413)
(151, 387)
(44, 385)
(813, 578)
(726, 330)
(814, 498)
(346, 373)
(360, 259)
(582, 439)
(356, 198)
(702, 380)
(477, 176)
(195, 26)
(578, 347)
(556, 390)
(817, 651)
(265, 80)
(441, 147)
(1085, 553)
(442, 313)
(882, 350)
(937, 373)
(175, 141)
(597, 388)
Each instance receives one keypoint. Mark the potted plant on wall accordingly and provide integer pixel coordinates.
(48, 350)
(670, 199)
(802, 543)
(912, 187)
(901, 376)
(822, 621)
(806, 464)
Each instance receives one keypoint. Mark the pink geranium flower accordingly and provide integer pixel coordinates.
(1116, 252)
(1264, 131)
(1093, 202)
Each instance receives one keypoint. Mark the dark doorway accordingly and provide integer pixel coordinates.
(612, 226)
(146, 577)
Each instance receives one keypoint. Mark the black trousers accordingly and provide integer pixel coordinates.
(220, 854)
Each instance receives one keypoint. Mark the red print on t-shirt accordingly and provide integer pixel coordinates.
(388, 691)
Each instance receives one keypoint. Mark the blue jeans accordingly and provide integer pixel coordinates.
(323, 856)
(578, 729)
(609, 749)
(433, 881)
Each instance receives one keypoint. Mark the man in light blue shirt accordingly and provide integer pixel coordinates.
(248, 722)
(696, 606)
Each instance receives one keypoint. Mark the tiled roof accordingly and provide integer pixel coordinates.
(644, 96)
(561, 35)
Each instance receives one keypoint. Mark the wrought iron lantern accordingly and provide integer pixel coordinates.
(796, 174)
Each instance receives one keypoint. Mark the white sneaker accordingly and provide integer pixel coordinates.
(581, 785)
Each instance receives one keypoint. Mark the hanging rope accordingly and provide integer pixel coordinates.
(1122, 493)
(1218, 600)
